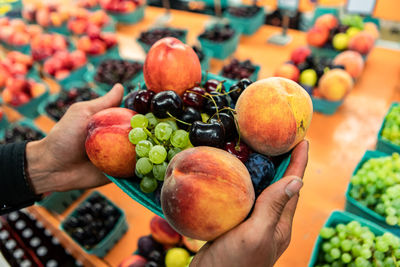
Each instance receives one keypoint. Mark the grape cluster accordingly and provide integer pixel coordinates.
(376, 185)
(391, 129)
(157, 142)
(356, 246)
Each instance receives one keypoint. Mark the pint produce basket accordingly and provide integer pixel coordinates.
(383, 144)
(113, 52)
(105, 245)
(58, 202)
(130, 17)
(221, 50)
(147, 47)
(253, 77)
(23, 122)
(336, 218)
(325, 106)
(247, 26)
(29, 109)
(357, 208)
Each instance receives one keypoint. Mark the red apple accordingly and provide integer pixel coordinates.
(288, 71)
(300, 54)
(171, 65)
(317, 36)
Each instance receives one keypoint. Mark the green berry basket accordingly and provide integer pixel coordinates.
(58, 202)
(25, 49)
(63, 29)
(220, 50)
(130, 17)
(210, 3)
(104, 87)
(42, 107)
(383, 144)
(253, 77)
(247, 26)
(325, 106)
(120, 228)
(23, 122)
(357, 208)
(112, 52)
(147, 47)
(336, 218)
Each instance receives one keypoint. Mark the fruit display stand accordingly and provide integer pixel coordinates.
(325, 106)
(383, 144)
(357, 208)
(338, 140)
(336, 218)
(247, 25)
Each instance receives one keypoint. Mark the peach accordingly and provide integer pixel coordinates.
(207, 191)
(335, 84)
(317, 36)
(288, 71)
(107, 142)
(362, 42)
(300, 54)
(273, 115)
(327, 21)
(372, 29)
(162, 232)
(133, 261)
(193, 245)
(352, 62)
(171, 65)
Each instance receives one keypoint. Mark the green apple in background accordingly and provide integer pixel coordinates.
(308, 77)
(352, 31)
(340, 41)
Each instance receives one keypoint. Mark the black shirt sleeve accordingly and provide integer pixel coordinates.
(15, 189)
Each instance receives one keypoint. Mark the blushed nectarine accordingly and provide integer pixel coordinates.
(273, 115)
(335, 84)
(288, 71)
(352, 62)
(207, 191)
(107, 142)
(171, 65)
(162, 232)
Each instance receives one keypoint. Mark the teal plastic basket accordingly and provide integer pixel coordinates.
(63, 29)
(76, 75)
(113, 52)
(221, 50)
(383, 144)
(147, 47)
(23, 122)
(29, 109)
(357, 208)
(336, 218)
(253, 77)
(321, 52)
(58, 202)
(4, 122)
(247, 26)
(104, 87)
(210, 3)
(120, 228)
(325, 106)
(25, 49)
(15, 8)
(129, 18)
(205, 63)
(321, 10)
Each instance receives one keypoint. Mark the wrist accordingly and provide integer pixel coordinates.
(37, 167)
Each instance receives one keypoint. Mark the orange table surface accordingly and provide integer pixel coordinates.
(337, 142)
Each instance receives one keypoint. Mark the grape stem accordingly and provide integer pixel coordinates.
(151, 136)
(183, 122)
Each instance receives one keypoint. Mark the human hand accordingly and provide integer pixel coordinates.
(59, 162)
(262, 238)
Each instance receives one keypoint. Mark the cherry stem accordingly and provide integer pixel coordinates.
(151, 136)
(215, 104)
(183, 122)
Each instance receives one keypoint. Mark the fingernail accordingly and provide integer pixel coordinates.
(294, 187)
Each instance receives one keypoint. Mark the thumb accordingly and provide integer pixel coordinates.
(272, 201)
(112, 99)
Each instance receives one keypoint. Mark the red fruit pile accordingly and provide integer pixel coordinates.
(96, 42)
(20, 91)
(13, 65)
(62, 63)
(50, 15)
(16, 32)
(45, 45)
(83, 20)
(120, 6)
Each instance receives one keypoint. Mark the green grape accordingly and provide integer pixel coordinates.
(361, 262)
(158, 154)
(381, 246)
(159, 171)
(136, 135)
(335, 241)
(153, 121)
(356, 250)
(366, 253)
(335, 253)
(346, 258)
(144, 166)
(139, 175)
(389, 262)
(327, 232)
(396, 253)
(326, 246)
(172, 152)
(346, 245)
(139, 121)
(163, 131)
(148, 184)
(180, 138)
(172, 123)
(143, 148)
